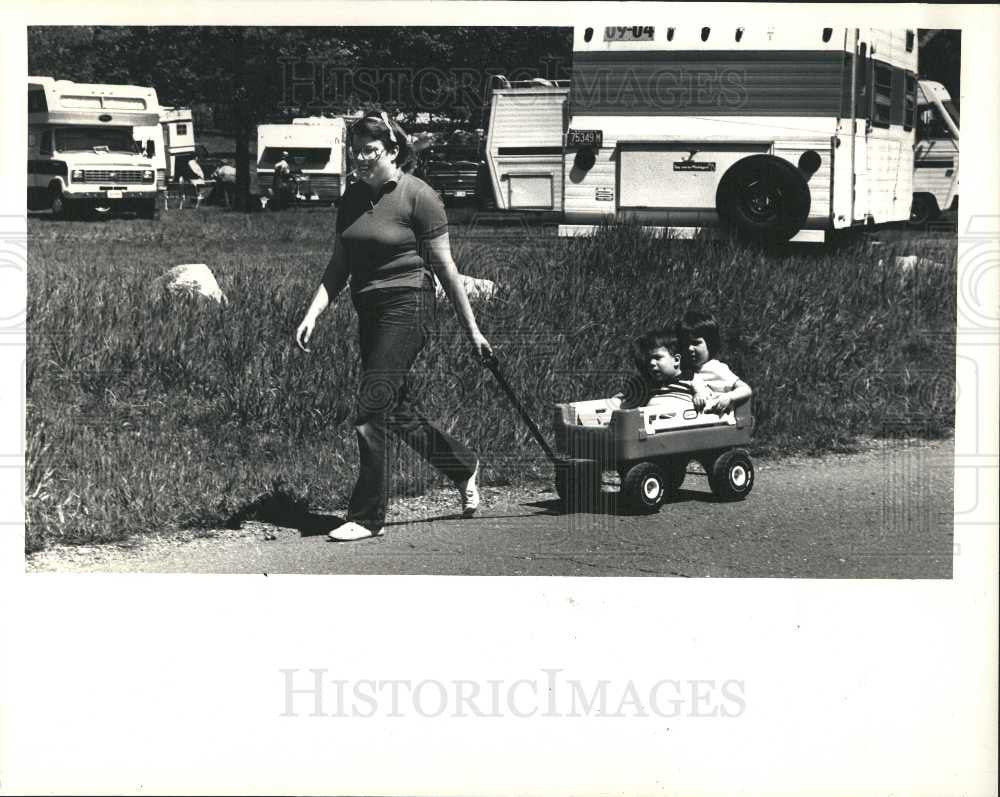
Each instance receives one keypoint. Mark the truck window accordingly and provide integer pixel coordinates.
(46, 145)
(930, 124)
(115, 139)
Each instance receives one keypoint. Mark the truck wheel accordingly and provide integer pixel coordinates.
(765, 198)
(731, 476)
(923, 210)
(63, 208)
(148, 210)
(578, 484)
(644, 488)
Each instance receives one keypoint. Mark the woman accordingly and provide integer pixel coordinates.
(391, 233)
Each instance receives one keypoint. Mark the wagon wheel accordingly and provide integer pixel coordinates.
(764, 198)
(644, 488)
(731, 476)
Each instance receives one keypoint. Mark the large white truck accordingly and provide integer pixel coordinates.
(935, 157)
(524, 143)
(82, 155)
(317, 154)
(779, 132)
(169, 144)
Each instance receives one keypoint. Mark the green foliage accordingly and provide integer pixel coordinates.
(152, 411)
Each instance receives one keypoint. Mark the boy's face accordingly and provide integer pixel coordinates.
(663, 366)
(698, 350)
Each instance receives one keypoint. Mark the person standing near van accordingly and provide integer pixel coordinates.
(391, 236)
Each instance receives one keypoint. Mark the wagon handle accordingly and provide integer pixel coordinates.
(493, 364)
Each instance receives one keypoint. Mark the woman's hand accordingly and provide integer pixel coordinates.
(482, 348)
(304, 333)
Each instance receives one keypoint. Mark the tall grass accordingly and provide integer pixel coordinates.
(150, 411)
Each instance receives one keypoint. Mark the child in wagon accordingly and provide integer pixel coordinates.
(717, 388)
(657, 356)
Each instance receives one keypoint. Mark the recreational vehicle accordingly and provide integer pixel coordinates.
(170, 144)
(779, 132)
(935, 158)
(81, 151)
(316, 150)
(524, 144)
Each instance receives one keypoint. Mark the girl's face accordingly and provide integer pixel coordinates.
(698, 350)
(374, 163)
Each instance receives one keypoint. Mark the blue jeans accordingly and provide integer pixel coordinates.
(391, 325)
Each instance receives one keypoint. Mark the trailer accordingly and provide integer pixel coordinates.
(317, 155)
(82, 154)
(169, 144)
(524, 144)
(779, 133)
(935, 157)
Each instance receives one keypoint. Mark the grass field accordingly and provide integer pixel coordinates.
(148, 411)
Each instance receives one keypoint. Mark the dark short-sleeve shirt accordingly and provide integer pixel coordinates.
(384, 235)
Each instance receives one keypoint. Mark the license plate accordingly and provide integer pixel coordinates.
(114, 194)
(585, 138)
(459, 193)
(636, 33)
(694, 166)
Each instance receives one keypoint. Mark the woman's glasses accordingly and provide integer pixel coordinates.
(372, 153)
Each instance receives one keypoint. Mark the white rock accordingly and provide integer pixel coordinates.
(194, 278)
(475, 288)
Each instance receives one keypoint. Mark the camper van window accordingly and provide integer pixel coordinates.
(910, 102)
(182, 129)
(298, 157)
(118, 139)
(882, 95)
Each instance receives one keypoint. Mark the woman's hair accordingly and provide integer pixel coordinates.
(379, 126)
(700, 324)
(649, 342)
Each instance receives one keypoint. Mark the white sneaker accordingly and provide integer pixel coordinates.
(469, 491)
(351, 531)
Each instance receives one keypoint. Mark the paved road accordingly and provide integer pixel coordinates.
(885, 513)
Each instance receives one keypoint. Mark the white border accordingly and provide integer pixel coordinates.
(161, 684)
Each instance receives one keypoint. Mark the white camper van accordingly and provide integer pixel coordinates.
(169, 144)
(935, 158)
(81, 151)
(780, 132)
(524, 143)
(316, 150)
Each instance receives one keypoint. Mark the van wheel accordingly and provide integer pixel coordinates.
(644, 488)
(923, 210)
(148, 210)
(764, 198)
(62, 208)
(731, 476)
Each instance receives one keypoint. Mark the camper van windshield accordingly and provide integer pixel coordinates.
(952, 109)
(118, 139)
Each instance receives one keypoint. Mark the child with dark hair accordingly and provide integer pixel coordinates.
(717, 388)
(657, 358)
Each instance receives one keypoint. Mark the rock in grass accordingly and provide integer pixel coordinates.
(196, 279)
(475, 288)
